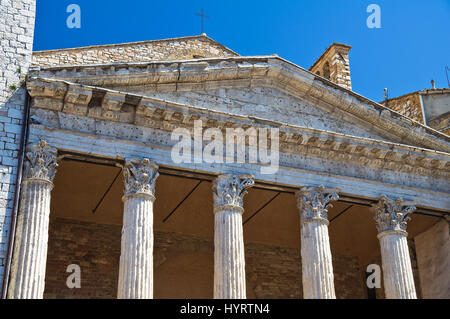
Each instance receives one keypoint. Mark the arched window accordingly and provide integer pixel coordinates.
(326, 70)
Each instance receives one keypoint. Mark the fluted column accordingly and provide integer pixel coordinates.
(30, 245)
(391, 218)
(229, 258)
(317, 267)
(136, 258)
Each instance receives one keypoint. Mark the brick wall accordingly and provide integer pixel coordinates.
(170, 49)
(272, 272)
(16, 44)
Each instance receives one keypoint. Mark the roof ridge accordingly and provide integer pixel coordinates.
(326, 51)
(236, 115)
(200, 36)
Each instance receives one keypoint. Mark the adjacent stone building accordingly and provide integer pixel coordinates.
(328, 183)
(430, 107)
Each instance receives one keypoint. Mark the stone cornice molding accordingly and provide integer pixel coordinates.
(229, 191)
(391, 216)
(40, 163)
(274, 71)
(314, 202)
(138, 110)
(140, 178)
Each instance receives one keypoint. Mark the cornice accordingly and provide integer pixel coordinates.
(121, 107)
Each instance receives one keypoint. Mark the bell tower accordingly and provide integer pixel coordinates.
(334, 65)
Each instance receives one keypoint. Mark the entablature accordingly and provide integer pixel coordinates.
(120, 107)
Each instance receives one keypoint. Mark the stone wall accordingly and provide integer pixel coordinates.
(408, 105)
(433, 259)
(184, 265)
(16, 44)
(170, 49)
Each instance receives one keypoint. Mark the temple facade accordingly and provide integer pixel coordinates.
(177, 168)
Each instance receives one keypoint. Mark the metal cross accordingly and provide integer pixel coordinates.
(203, 16)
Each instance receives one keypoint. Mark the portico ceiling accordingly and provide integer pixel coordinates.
(80, 186)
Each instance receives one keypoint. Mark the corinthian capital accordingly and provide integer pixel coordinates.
(140, 177)
(40, 162)
(392, 215)
(314, 202)
(229, 191)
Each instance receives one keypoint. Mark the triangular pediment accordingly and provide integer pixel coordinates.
(272, 104)
(267, 88)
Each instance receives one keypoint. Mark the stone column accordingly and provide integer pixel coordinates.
(229, 259)
(317, 267)
(391, 218)
(30, 245)
(136, 258)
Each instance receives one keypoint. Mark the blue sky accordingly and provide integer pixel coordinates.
(411, 47)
